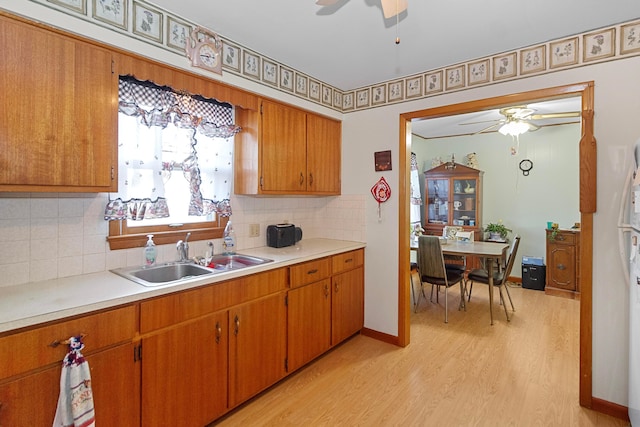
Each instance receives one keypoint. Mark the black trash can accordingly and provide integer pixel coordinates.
(533, 276)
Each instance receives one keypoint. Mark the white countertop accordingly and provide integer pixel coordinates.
(33, 303)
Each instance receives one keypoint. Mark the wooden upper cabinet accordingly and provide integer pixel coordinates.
(58, 112)
(283, 147)
(323, 155)
(285, 150)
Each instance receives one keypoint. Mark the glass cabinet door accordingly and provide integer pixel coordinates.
(464, 202)
(438, 201)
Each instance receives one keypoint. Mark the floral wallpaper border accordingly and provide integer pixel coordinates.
(152, 24)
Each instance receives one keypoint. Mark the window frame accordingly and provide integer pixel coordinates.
(122, 236)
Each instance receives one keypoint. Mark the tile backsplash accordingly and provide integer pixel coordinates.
(51, 235)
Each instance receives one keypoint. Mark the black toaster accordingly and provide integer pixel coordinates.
(281, 235)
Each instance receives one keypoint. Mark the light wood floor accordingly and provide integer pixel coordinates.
(464, 373)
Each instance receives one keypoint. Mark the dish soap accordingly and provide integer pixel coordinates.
(150, 252)
(229, 240)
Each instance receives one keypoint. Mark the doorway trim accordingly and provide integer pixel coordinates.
(587, 160)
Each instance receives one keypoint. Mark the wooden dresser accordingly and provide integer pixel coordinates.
(563, 262)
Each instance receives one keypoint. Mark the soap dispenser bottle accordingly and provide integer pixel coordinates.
(150, 252)
(229, 240)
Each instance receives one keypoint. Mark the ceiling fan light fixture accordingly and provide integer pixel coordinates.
(514, 128)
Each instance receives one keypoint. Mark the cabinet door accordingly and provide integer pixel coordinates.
(283, 148)
(257, 346)
(31, 400)
(465, 204)
(58, 111)
(184, 373)
(437, 195)
(562, 267)
(323, 155)
(309, 323)
(116, 386)
(347, 315)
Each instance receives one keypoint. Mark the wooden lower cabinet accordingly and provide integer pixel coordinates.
(30, 370)
(115, 384)
(326, 312)
(184, 373)
(347, 311)
(563, 263)
(257, 346)
(30, 400)
(309, 323)
(196, 354)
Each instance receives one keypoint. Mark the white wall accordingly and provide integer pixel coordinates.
(616, 127)
(524, 203)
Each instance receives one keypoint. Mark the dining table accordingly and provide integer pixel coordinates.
(490, 251)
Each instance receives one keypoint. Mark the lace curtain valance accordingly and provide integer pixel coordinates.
(160, 105)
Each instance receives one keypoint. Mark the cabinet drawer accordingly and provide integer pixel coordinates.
(29, 350)
(564, 238)
(309, 272)
(172, 309)
(347, 261)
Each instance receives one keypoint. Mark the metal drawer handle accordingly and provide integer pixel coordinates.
(561, 267)
(56, 343)
(218, 332)
(314, 271)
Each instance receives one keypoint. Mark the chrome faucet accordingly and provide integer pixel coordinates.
(183, 249)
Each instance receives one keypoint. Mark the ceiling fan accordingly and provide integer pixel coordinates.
(517, 120)
(390, 8)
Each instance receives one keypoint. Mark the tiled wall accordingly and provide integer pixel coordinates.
(47, 236)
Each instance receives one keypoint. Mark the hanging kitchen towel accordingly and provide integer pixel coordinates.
(75, 403)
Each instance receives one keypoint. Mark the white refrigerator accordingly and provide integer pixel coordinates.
(629, 240)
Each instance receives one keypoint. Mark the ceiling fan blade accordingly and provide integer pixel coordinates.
(487, 128)
(393, 7)
(555, 115)
(326, 2)
(483, 121)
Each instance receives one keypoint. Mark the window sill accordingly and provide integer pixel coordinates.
(163, 237)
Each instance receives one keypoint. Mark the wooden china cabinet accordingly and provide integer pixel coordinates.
(453, 195)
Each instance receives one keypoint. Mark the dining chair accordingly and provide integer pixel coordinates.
(413, 269)
(432, 270)
(454, 262)
(500, 278)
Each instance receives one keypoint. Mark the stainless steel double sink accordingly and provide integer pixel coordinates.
(175, 272)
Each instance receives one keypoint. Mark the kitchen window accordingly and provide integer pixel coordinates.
(175, 166)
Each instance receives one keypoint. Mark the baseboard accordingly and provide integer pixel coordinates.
(380, 336)
(610, 408)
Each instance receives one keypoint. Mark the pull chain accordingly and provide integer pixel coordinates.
(397, 23)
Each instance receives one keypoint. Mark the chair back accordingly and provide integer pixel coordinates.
(511, 259)
(430, 259)
(449, 231)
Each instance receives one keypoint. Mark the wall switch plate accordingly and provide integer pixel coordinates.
(254, 230)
